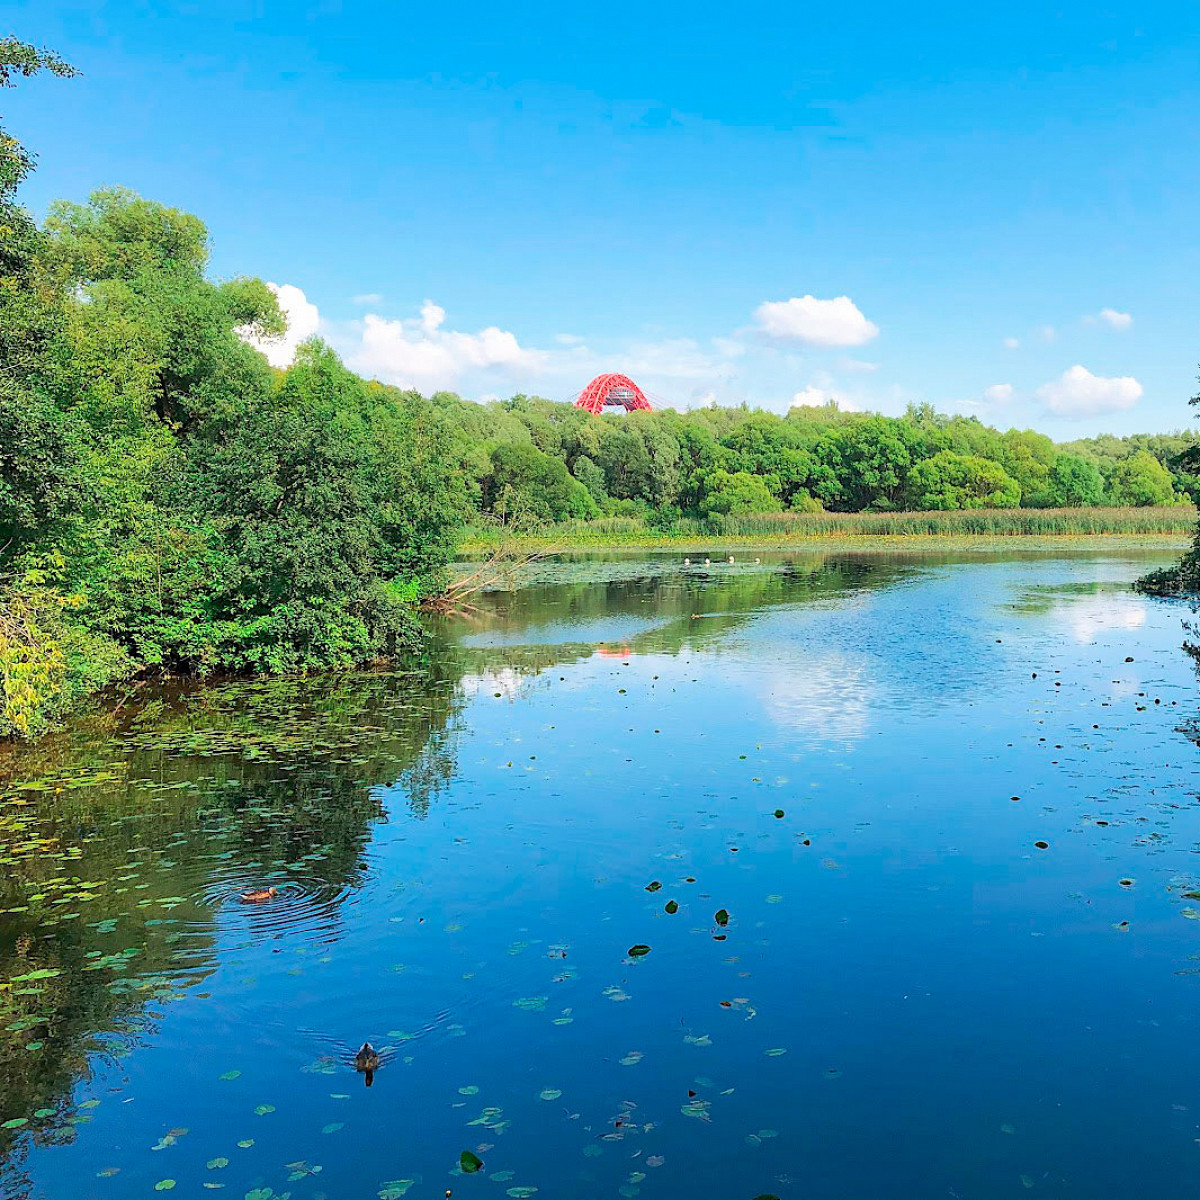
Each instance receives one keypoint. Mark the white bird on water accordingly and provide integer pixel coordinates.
(687, 562)
(731, 558)
(708, 562)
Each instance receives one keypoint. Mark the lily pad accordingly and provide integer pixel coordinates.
(470, 1163)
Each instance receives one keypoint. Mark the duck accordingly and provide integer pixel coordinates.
(259, 895)
(687, 562)
(367, 1061)
(731, 558)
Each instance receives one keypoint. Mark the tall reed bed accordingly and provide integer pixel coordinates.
(787, 526)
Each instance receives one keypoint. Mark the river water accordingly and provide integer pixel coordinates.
(825, 877)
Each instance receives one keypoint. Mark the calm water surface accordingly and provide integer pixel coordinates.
(912, 843)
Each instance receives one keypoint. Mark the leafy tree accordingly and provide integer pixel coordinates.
(1073, 482)
(733, 493)
(867, 464)
(591, 476)
(956, 481)
(39, 457)
(524, 480)
(1140, 479)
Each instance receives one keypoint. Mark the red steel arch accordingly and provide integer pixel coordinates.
(611, 389)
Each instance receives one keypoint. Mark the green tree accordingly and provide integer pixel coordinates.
(528, 483)
(1140, 480)
(1073, 482)
(954, 481)
(733, 493)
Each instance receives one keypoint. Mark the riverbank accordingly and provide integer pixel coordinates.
(944, 530)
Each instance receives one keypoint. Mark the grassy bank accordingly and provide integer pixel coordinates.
(769, 529)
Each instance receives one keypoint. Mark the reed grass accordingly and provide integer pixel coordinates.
(787, 527)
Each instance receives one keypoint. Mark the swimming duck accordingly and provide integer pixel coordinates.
(259, 895)
(367, 1061)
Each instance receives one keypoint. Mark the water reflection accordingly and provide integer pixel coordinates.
(462, 852)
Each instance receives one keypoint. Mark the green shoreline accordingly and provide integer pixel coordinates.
(865, 543)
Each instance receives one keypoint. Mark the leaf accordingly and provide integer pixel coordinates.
(639, 951)
(164, 1185)
(229, 1075)
(470, 1163)
(522, 1193)
(216, 1164)
(721, 917)
(395, 1188)
(263, 1109)
(654, 886)
(776, 1052)
(671, 907)
(15, 1123)
(549, 1093)
(333, 1126)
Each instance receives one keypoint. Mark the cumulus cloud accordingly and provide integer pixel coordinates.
(1079, 393)
(836, 322)
(1115, 319)
(303, 321)
(422, 354)
(813, 396)
(998, 393)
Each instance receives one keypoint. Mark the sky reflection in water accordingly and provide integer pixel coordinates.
(910, 997)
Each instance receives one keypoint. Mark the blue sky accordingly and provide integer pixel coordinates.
(499, 199)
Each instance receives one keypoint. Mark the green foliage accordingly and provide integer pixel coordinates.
(1073, 482)
(734, 493)
(1140, 480)
(197, 510)
(954, 481)
(525, 480)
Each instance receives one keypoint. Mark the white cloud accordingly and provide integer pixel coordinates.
(1079, 393)
(1047, 333)
(365, 299)
(421, 354)
(1011, 343)
(857, 366)
(568, 339)
(816, 397)
(836, 322)
(303, 321)
(1090, 616)
(1115, 319)
(998, 393)
(433, 316)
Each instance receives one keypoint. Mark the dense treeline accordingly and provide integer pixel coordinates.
(552, 462)
(171, 502)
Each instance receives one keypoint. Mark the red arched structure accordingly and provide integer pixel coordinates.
(611, 389)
